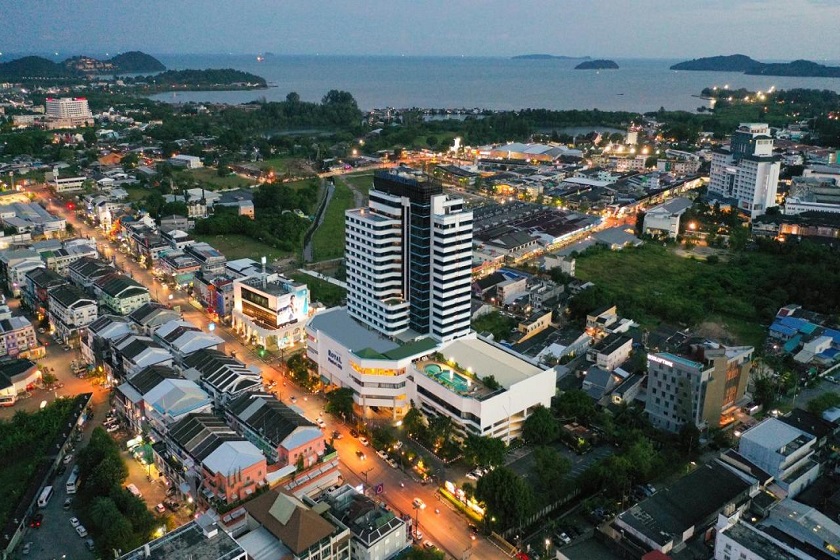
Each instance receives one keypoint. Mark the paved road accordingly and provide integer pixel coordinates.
(448, 529)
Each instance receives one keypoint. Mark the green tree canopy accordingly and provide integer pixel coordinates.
(507, 498)
(484, 450)
(340, 402)
(541, 428)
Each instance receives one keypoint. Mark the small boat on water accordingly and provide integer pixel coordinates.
(260, 58)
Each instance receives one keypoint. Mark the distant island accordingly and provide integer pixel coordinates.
(78, 67)
(599, 64)
(547, 57)
(752, 67)
(225, 79)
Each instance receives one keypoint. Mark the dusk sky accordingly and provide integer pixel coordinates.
(763, 29)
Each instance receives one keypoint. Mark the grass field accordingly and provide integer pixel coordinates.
(136, 193)
(652, 285)
(319, 290)
(241, 247)
(211, 178)
(328, 241)
(362, 181)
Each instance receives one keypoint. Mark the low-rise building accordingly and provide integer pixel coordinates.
(31, 218)
(215, 292)
(785, 452)
(282, 526)
(173, 222)
(664, 219)
(181, 339)
(35, 290)
(14, 264)
(131, 353)
(201, 538)
(70, 309)
(17, 335)
(211, 260)
(378, 533)
(120, 294)
(611, 352)
(179, 267)
(150, 316)
(283, 435)
(85, 271)
(60, 259)
(270, 310)
(667, 520)
(96, 341)
(223, 377)
(17, 377)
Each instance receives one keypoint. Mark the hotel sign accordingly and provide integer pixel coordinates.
(334, 359)
(659, 360)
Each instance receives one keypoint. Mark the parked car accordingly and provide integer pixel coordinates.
(336, 434)
(26, 548)
(429, 546)
(564, 538)
(393, 463)
(74, 522)
(160, 508)
(354, 433)
(68, 458)
(36, 520)
(82, 531)
(111, 429)
(382, 455)
(361, 455)
(418, 503)
(68, 503)
(90, 545)
(472, 476)
(364, 441)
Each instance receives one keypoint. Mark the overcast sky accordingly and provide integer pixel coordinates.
(763, 29)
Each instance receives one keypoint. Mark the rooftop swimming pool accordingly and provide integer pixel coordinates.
(448, 378)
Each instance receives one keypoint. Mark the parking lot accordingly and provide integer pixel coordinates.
(56, 538)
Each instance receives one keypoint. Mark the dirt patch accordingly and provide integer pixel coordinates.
(716, 331)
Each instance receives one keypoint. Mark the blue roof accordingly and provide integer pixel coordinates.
(834, 334)
(829, 353)
(781, 329)
(793, 343)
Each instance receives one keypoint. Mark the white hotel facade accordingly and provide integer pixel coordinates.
(404, 338)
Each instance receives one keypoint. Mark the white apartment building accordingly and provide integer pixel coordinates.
(68, 108)
(409, 258)
(783, 451)
(69, 310)
(747, 172)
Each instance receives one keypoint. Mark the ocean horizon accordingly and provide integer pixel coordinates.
(461, 82)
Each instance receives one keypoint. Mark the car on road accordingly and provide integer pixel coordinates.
(81, 531)
(564, 538)
(364, 441)
(472, 476)
(418, 535)
(42, 330)
(61, 469)
(111, 429)
(293, 399)
(393, 463)
(36, 520)
(361, 455)
(75, 522)
(68, 503)
(26, 548)
(68, 458)
(382, 455)
(354, 433)
(418, 503)
(336, 434)
(429, 546)
(160, 508)
(321, 423)
(90, 544)
(172, 505)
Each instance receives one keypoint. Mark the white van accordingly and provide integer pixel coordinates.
(134, 491)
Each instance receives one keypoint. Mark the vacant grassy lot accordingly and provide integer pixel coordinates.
(328, 241)
(362, 181)
(211, 179)
(651, 284)
(242, 247)
(136, 193)
(319, 290)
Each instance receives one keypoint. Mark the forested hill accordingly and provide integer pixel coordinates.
(745, 64)
(209, 77)
(78, 67)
